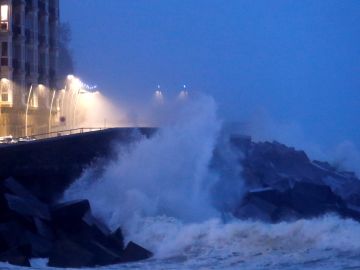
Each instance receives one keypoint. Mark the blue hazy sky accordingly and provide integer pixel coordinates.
(297, 60)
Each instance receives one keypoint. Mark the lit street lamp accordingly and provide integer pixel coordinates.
(51, 106)
(27, 110)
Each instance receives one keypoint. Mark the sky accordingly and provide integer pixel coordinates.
(296, 62)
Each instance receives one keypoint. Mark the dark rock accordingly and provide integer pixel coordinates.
(89, 219)
(17, 189)
(259, 205)
(134, 252)
(73, 251)
(43, 229)
(13, 234)
(313, 200)
(254, 211)
(285, 213)
(18, 203)
(116, 239)
(15, 256)
(69, 216)
(26, 207)
(90, 236)
(39, 246)
(350, 212)
(66, 253)
(304, 200)
(103, 254)
(242, 142)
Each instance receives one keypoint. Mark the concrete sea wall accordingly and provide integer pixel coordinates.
(46, 167)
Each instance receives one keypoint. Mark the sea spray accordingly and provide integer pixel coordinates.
(228, 190)
(162, 193)
(164, 175)
(169, 237)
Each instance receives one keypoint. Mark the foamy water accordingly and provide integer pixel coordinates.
(324, 243)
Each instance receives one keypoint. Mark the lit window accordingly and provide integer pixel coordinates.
(4, 97)
(4, 16)
(4, 13)
(5, 93)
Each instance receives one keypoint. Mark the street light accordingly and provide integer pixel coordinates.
(183, 93)
(27, 110)
(51, 105)
(159, 95)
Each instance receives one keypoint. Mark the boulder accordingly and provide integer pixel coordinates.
(304, 200)
(116, 239)
(12, 234)
(69, 216)
(27, 207)
(39, 246)
(134, 252)
(313, 200)
(15, 256)
(66, 253)
(44, 229)
(67, 233)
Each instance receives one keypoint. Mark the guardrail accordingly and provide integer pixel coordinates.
(58, 133)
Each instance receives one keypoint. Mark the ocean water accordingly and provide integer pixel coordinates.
(163, 195)
(323, 243)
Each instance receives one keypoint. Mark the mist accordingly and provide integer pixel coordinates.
(165, 175)
(297, 60)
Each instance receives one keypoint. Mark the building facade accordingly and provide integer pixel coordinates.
(28, 64)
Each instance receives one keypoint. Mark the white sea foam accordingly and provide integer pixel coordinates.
(165, 175)
(323, 243)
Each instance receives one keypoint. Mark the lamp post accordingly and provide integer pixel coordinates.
(76, 88)
(51, 105)
(159, 97)
(79, 92)
(27, 110)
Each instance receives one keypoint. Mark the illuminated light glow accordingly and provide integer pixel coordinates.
(76, 84)
(70, 77)
(183, 94)
(83, 91)
(6, 94)
(158, 94)
(41, 90)
(159, 97)
(4, 13)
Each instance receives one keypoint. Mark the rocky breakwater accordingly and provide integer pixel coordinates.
(67, 234)
(284, 184)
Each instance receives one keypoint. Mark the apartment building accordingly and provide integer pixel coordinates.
(28, 64)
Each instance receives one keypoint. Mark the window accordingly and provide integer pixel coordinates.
(4, 97)
(4, 49)
(4, 13)
(4, 54)
(4, 62)
(4, 17)
(5, 93)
